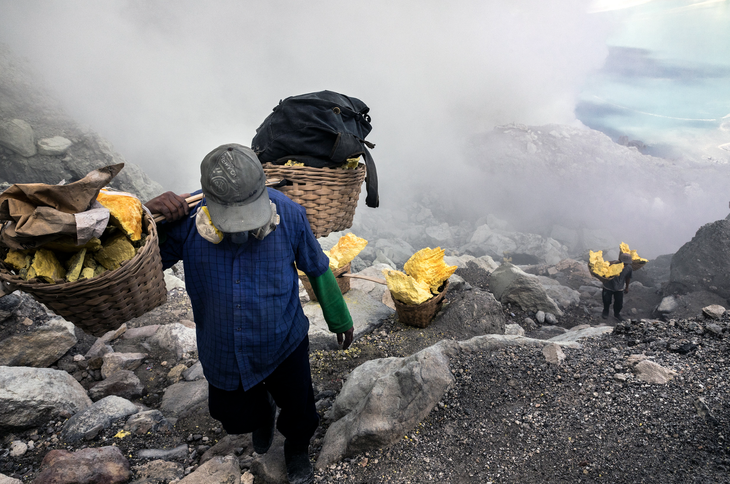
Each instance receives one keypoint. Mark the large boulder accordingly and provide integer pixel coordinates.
(703, 263)
(383, 399)
(510, 284)
(40, 347)
(31, 396)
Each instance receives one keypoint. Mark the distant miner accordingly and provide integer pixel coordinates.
(616, 287)
(239, 250)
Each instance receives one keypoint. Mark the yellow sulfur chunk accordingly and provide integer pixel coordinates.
(18, 259)
(598, 266)
(293, 163)
(115, 251)
(126, 213)
(74, 266)
(407, 289)
(428, 266)
(623, 248)
(46, 266)
(345, 250)
(86, 273)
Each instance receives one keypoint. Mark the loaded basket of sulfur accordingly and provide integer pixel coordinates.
(89, 254)
(419, 293)
(314, 143)
(604, 271)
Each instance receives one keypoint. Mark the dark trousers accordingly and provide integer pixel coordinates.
(290, 385)
(618, 301)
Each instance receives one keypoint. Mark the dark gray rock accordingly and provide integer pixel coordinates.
(703, 263)
(122, 383)
(103, 413)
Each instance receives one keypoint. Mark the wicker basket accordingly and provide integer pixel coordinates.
(420, 315)
(343, 282)
(330, 195)
(105, 302)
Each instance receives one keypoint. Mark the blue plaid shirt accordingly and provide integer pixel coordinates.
(245, 298)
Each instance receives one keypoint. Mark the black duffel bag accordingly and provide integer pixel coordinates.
(319, 129)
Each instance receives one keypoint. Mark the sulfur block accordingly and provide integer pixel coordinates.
(126, 213)
(75, 265)
(18, 259)
(428, 266)
(598, 266)
(46, 266)
(115, 251)
(407, 289)
(346, 249)
(86, 273)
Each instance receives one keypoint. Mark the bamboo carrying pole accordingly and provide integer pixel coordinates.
(367, 278)
(195, 199)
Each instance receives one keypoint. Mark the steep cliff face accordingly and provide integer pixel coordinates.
(40, 143)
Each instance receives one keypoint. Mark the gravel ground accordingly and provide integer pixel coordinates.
(512, 417)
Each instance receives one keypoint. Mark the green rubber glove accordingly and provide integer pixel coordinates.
(333, 304)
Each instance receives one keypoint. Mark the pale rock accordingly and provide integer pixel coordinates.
(382, 399)
(713, 311)
(514, 329)
(159, 471)
(38, 395)
(172, 281)
(195, 372)
(141, 332)
(114, 362)
(176, 337)
(652, 372)
(667, 305)
(56, 146)
(18, 448)
(17, 135)
(10, 480)
(553, 354)
(217, 469)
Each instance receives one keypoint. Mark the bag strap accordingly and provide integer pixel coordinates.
(372, 199)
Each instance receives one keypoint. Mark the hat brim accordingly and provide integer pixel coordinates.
(240, 218)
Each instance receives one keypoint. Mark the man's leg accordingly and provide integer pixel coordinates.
(239, 412)
(291, 386)
(618, 303)
(606, 296)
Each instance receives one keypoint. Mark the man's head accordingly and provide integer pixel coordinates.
(625, 257)
(234, 185)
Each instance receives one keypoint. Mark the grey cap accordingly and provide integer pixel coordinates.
(625, 257)
(234, 184)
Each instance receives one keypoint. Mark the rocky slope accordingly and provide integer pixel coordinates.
(39, 143)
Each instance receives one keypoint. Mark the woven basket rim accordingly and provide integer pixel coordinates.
(125, 271)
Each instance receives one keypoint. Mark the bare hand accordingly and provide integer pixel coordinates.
(347, 336)
(171, 206)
